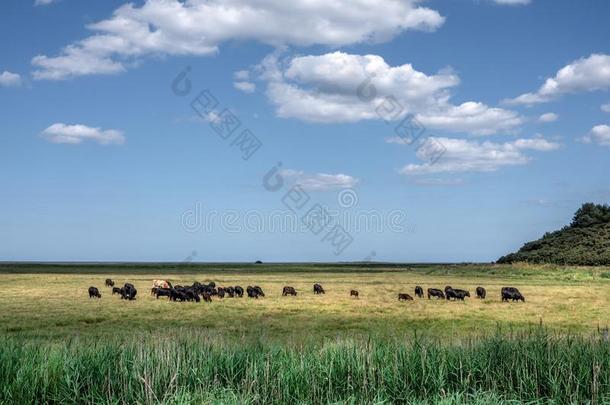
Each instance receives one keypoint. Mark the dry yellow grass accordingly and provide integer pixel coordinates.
(57, 305)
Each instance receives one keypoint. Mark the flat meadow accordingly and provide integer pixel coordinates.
(52, 302)
(331, 348)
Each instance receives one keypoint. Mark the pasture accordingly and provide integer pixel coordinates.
(59, 346)
(51, 302)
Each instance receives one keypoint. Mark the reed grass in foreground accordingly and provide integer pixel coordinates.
(197, 368)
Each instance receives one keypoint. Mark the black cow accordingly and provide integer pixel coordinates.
(419, 292)
(404, 297)
(289, 291)
(206, 297)
(129, 292)
(116, 290)
(252, 293)
(354, 293)
(435, 292)
(317, 289)
(177, 294)
(511, 293)
(457, 294)
(447, 289)
(239, 291)
(230, 291)
(163, 292)
(220, 292)
(259, 291)
(191, 295)
(109, 283)
(481, 293)
(94, 293)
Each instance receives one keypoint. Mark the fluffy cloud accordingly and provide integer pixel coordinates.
(75, 134)
(548, 117)
(43, 2)
(582, 75)
(8, 79)
(513, 2)
(599, 134)
(471, 117)
(246, 87)
(242, 81)
(320, 181)
(461, 155)
(605, 107)
(340, 87)
(198, 27)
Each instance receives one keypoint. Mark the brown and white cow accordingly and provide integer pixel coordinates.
(161, 284)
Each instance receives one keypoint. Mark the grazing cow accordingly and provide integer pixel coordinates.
(457, 294)
(317, 289)
(259, 291)
(230, 291)
(220, 292)
(251, 292)
(289, 291)
(191, 295)
(511, 293)
(109, 283)
(177, 295)
(404, 297)
(116, 290)
(447, 289)
(419, 292)
(206, 297)
(435, 292)
(129, 292)
(161, 284)
(239, 291)
(481, 293)
(163, 292)
(354, 293)
(94, 293)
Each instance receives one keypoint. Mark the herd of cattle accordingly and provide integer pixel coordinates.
(199, 291)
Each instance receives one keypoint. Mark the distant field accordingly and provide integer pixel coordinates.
(43, 301)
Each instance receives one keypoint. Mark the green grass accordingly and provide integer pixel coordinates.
(47, 304)
(58, 346)
(183, 368)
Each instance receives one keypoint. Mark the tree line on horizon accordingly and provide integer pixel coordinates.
(585, 241)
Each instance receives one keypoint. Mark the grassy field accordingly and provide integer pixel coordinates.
(51, 302)
(189, 368)
(59, 346)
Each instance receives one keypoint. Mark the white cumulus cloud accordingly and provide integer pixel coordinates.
(513, 2)
(75, 134)
(246, 87)
(341, 87)
(462, 155)
(472, 117)
(582, 75)
(43, 2)
(199, 27)
(599, 134)
(9, 79)
(548, 117)
(242, 81)
(605, 107)
(320, 181)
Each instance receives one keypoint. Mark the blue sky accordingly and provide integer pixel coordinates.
(101, 160)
